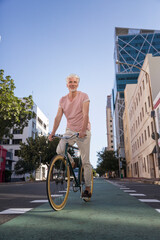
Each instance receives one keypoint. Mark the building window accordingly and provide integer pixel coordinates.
(145, 164)
(143, 84)
(142, 112)
(40, 121)
(44, 126)
(16, 153)
(33, 125)
(145, 107)
(149, 103)
(4, 142)
(16, 141)
(141, 91)
(148, 131)
(148, 163)
(145, 135)
(34, 115)
(17, 131)
(142, 139)
(152, 129)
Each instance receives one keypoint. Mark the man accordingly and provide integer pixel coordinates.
(75, 107)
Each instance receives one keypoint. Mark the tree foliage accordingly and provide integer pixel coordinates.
(107, 161)
(13, 111)
(34, 152)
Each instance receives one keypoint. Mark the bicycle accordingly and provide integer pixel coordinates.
(61, 174)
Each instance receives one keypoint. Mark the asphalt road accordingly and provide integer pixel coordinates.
(20, 195)
(111, 214)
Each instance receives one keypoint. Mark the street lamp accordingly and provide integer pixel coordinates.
(152, 112)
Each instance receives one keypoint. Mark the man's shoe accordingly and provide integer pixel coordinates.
(86, 195)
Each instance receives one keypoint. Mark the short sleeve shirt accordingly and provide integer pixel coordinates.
(73, 110)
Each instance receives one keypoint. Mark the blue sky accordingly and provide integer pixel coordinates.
(43, 41)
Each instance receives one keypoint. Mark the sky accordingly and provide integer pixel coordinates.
(43, 41)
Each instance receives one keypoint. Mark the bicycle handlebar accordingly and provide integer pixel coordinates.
(66, 137)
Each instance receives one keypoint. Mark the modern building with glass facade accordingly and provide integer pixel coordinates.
(131, 47)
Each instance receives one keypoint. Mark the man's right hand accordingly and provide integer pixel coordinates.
(50, 137)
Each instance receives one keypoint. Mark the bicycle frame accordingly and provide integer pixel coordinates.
(77, 181)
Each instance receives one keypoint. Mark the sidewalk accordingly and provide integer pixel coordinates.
(143, 180)
(111, 214)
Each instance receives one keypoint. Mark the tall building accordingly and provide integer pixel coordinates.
(139, 125)
(109, 123)
(156, 103)
(131, 46)
(38, 125)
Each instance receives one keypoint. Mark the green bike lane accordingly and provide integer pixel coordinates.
(111, 214)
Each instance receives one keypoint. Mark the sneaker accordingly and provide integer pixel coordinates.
(86, 195)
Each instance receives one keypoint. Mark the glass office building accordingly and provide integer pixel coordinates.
(131, 46)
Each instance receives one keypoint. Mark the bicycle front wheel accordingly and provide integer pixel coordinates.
(58, 183)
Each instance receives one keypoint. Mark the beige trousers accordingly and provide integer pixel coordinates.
(84, 147)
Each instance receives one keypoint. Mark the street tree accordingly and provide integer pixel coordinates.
(14, 112)
(34, 152)
(107, 162)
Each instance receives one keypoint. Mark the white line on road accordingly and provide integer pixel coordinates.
(128, 191)
(39, 201)
(148, 200)
(15, 210)
(137, 194)
(123, 188)
(158, 210)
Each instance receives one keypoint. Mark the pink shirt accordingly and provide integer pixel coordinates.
(73, 110)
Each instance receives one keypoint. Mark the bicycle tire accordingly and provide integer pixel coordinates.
(58, 183)
(82, 188)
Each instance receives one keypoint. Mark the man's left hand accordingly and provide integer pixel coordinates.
(82, 134)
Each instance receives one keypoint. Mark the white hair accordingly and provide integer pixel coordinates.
(73, 76)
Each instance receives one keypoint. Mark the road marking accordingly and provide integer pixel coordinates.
(137, 194)
(123, 188)
(148, 200)
(57, 195)
(128, 191)
(39, 201)
(62, 191)
(158, 210)
(15, 210)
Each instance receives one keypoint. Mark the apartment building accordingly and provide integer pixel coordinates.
(109, 124)
(156, 104)
(131, 47)
(138, 123)
(38, 125)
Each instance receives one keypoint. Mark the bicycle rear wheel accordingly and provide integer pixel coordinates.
(58, 183)
(82, 188)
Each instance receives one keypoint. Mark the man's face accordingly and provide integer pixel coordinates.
(72, 84)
